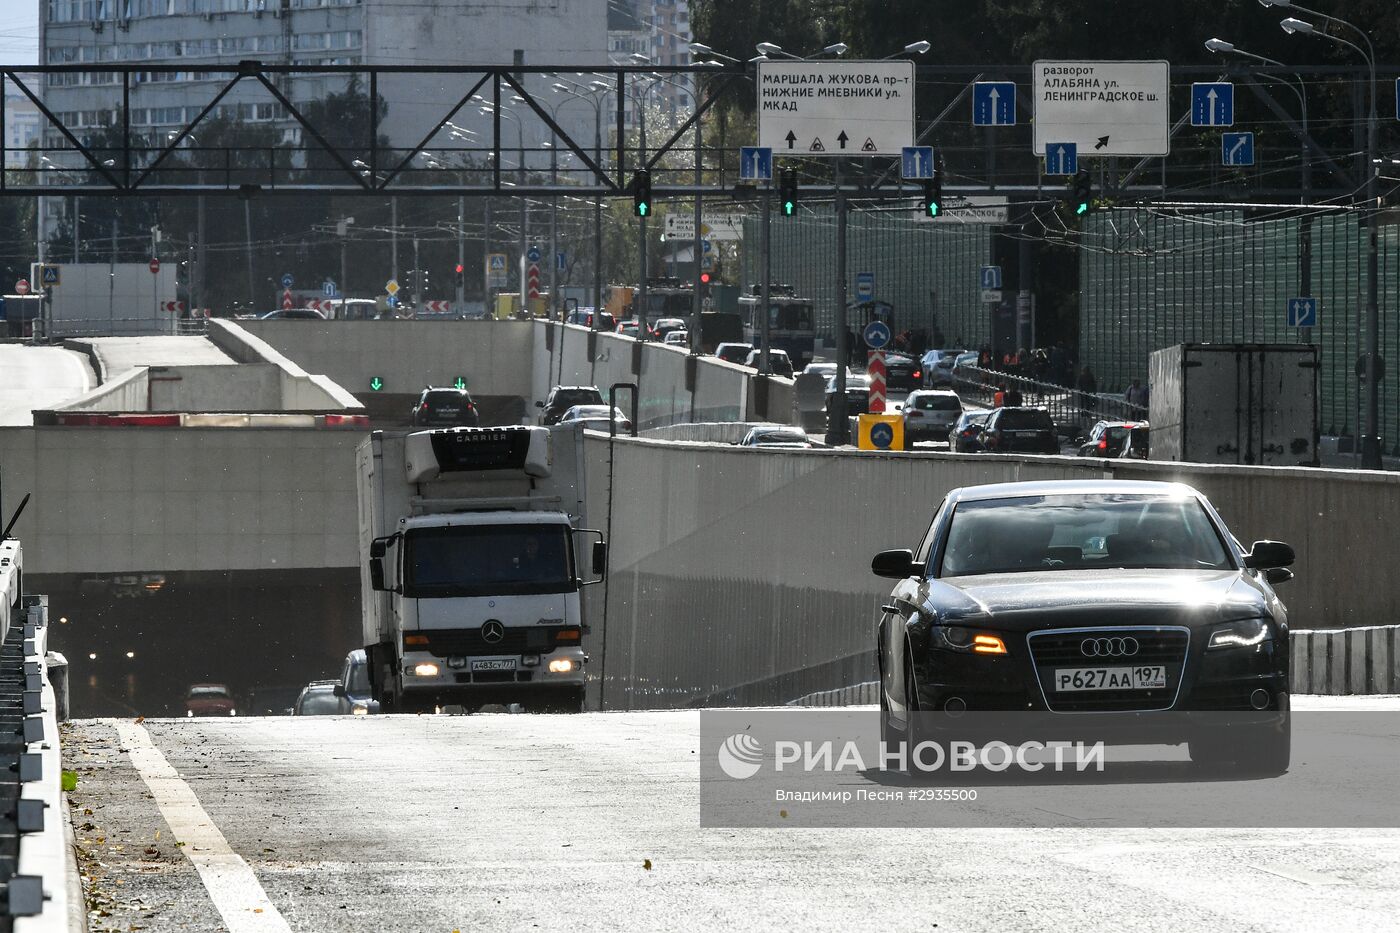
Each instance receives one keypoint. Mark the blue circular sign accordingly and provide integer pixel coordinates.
(882, 435)
(533, 254)
(877, 335)
(287, 280)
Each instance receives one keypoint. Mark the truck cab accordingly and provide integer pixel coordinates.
(472, 539)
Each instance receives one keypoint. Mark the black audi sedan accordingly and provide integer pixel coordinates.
(1088, 597)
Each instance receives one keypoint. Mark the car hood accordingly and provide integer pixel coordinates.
(1025, 601)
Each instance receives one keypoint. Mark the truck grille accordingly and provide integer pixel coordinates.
(467, 642)
(1063, 648)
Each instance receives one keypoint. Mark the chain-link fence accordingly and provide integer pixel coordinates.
(928, 271)
(1150, 280)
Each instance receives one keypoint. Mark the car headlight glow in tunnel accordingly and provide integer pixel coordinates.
(426, 669)
(561, 666)
(1242, 634)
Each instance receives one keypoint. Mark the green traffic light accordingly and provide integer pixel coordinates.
(933, 209)
(642, 209)
(375, 383)
(460, 383)
(789, 207)
(1083, 208)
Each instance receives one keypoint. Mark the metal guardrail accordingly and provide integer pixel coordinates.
(1070, 409)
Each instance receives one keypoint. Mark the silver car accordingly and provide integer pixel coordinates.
(929, 413)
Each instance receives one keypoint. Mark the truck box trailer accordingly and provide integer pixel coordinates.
(1234, 403)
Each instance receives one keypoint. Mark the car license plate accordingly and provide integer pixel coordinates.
(447, 412)
(1110, 678)
(494, 664)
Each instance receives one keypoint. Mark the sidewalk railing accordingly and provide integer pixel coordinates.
(1072, 410)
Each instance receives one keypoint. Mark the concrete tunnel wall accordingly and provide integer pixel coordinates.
(743, 576)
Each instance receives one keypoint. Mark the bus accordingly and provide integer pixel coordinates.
(791, 324)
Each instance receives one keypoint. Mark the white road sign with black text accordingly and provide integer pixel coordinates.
(712, 227)
(835, 108)
(974, 209)
(1106, 108)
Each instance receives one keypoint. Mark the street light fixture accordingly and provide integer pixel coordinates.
(1293, 25)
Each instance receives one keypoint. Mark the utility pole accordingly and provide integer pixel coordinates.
(417, 278)
(598, 223)
(342, 229)
(765, 294)
(838, 428)
(393, 238)
(77, 227)
(554, 235)
(461, 253)
(695, 252)
(248, 252)
(1371, 441)
(200, 257)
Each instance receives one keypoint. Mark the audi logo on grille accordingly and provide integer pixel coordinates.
(1109, 647)
(493, 631)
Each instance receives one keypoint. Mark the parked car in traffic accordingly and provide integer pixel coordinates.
(209, 700)
(1090, 597)
(1105, 439)
(665, 325)
(677, 338)
(562, 398)
(776, 435)
(937, 367)
(779, 364)
(294, 314)
(902, 372)
(631, 328)
(353, 689)
(824, 368)
(584, 317)
(445, 407)
(857, 394)
(1136, 446)
(318, 698)
(596, 417)
(929, 413)
(1020, 430)
(965, 436)
(733, 352)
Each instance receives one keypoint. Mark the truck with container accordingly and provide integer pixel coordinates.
(1234, 403)
(471, 568)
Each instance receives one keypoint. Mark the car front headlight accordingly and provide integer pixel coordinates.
(1245, 633)
(966, 640)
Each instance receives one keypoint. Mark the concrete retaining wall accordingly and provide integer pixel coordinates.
(249, 387)
(1356, 660)
(298, 390)
(718, 391)
(128, 392)
(756, 562)
(492, 356)
(710, 432)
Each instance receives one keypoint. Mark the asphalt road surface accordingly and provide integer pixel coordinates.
(38, 377)
(501, 822)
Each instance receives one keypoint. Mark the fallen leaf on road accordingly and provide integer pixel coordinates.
(646, 864)
(140, 719)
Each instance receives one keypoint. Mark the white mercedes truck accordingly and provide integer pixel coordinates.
(470, 543)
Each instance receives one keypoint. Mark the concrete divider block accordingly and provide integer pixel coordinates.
(1319, 667)
(1382, 641)
(1337, 659)
(1358, 668)
(1299, 662)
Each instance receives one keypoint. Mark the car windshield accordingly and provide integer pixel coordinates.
(1029, 419)
(359, 680)
(320, 703)
(780, 437)
(568, 398)
(1078, 532)
(937, 403)
(447, 401)
(487, 560)
(208, 693)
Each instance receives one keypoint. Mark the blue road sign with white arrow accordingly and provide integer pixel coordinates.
(287, 280)
(877, 335)
(328, 289)
(1236, 149)
(1061, 158)
(917, 162)
(755, 163)
(1302, 312)
(1212, 103)
(994, 103)
(881, 435)
(991, 277)
(533, 254)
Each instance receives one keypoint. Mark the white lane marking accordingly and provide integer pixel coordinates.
(232, 886)
(1303, 875)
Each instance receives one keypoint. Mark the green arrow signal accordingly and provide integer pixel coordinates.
(642, 209)
(376, 383)
(1083, 208)
(460, 383)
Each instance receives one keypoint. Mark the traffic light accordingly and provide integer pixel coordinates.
(1083, 196)
(787, 192)
(641, 193)
(461, 275)
(705, 280)
(933, 195)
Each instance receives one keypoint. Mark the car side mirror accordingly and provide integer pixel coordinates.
(1081, 439)
(1265, 555)
(339, 690)
(539, 404)
(600, 558)
(1277, 575)
(896, 564)
(376, 574)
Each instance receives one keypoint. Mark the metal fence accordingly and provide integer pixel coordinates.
(1071, 410)
(926, 270)
(1150, 280)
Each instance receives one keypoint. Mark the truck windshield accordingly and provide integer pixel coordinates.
(487, 560)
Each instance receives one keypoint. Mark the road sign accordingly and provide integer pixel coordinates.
(1302, 312)
(917, 162)
(561, 261)
(532, 277)
(287, 280)
(328, 289)
(392, 301)
(22, 287)
(879, 431)
(287, 304)
(496, 270)
(1106, 108)
(1237, 149)
(835, 109)
(865, 286)
(459, 383)
(533, 254)
(1062, 159)
(875, 369)
(755, 163)
(376, 384)
(990, 277)
(172, 307)
(681, 226)
(49, 275)
(994, 103)
(392, 287)
(975, 209)
(154, 266)
(1212, 103)
(438, 307)
(877, 335)
(991, 296)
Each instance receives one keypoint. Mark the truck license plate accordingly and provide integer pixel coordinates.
(494, 664)
(1110, 678)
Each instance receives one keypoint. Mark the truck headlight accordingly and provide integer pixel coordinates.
(426, 669)
(360, 710)
(1242, 634)
(561, 666)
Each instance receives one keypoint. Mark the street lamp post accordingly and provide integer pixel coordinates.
(597, 104)
(1371, 438)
